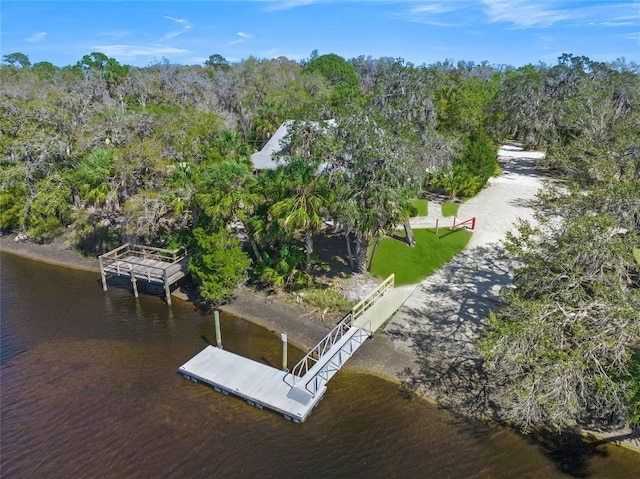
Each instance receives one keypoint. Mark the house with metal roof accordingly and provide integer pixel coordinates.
(264, 159)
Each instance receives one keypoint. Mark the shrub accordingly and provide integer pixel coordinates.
(217, 264)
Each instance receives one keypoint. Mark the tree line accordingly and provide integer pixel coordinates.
(149, 154)
(161, 155)
(565, 344)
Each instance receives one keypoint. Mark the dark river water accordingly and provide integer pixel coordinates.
(89, 388)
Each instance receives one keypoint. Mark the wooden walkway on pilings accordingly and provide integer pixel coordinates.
(154, 265)
(295, 393)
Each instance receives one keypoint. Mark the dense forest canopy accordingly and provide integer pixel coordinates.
(161, 155)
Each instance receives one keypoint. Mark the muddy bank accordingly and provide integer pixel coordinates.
(272, 312)
(58, 252)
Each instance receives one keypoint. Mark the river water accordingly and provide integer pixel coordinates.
(89, 388)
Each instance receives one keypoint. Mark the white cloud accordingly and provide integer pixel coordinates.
(615, 24)
(174, 19)
(243, 36)
(524, 13)
(434, 8)
(131, 52)
(275, 53)
(545, 13)
(276, 6)
(435, 14)
(434, 23)
(176, 33)
(37, 37)
(186, 26)
(633, 36)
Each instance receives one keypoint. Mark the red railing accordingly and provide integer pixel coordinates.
(472, 221)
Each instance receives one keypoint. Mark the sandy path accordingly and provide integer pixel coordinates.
(444, 316)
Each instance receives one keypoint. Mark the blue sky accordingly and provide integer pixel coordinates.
(140, 33)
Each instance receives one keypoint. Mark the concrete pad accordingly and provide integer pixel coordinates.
(378, 314)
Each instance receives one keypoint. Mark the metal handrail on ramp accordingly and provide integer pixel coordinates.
(318, 376)
(318, 366)
(373, 297)
(313, 356)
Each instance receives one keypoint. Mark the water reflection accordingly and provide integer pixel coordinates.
(90, 389)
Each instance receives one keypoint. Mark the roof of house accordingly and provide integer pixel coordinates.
(263, 159)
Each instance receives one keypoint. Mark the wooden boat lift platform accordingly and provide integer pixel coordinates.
(154, 265)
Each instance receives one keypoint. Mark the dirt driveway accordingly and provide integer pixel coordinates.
(443, 318)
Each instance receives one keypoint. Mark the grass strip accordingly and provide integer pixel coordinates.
(422, 205)
(411, 265)
(450, 208)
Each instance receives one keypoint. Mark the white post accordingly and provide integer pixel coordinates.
(216, 316)
(283, 337)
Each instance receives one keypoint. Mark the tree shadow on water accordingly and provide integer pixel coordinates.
(441, 324)
(570, 452)
(472, 408)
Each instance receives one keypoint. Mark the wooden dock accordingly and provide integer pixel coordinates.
(295, 393)
(154, 265)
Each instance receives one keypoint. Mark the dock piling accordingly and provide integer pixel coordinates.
(216, 315)
(103, 275)
(133, 281)
(283, 336)
(167, 289)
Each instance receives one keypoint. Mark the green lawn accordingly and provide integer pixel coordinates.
(422, 205)
(450, 209)
(411, 265)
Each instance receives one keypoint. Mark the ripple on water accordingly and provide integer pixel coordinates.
(92, 390)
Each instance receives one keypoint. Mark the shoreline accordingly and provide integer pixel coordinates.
(275, 314)
(58, 252)
(378, 357)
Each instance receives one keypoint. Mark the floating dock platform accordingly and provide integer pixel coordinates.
(260, 385)
(295, 393)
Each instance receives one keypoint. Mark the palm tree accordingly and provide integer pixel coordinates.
(403, 211)
(300, 208)
(94, 177)
(227, 191)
